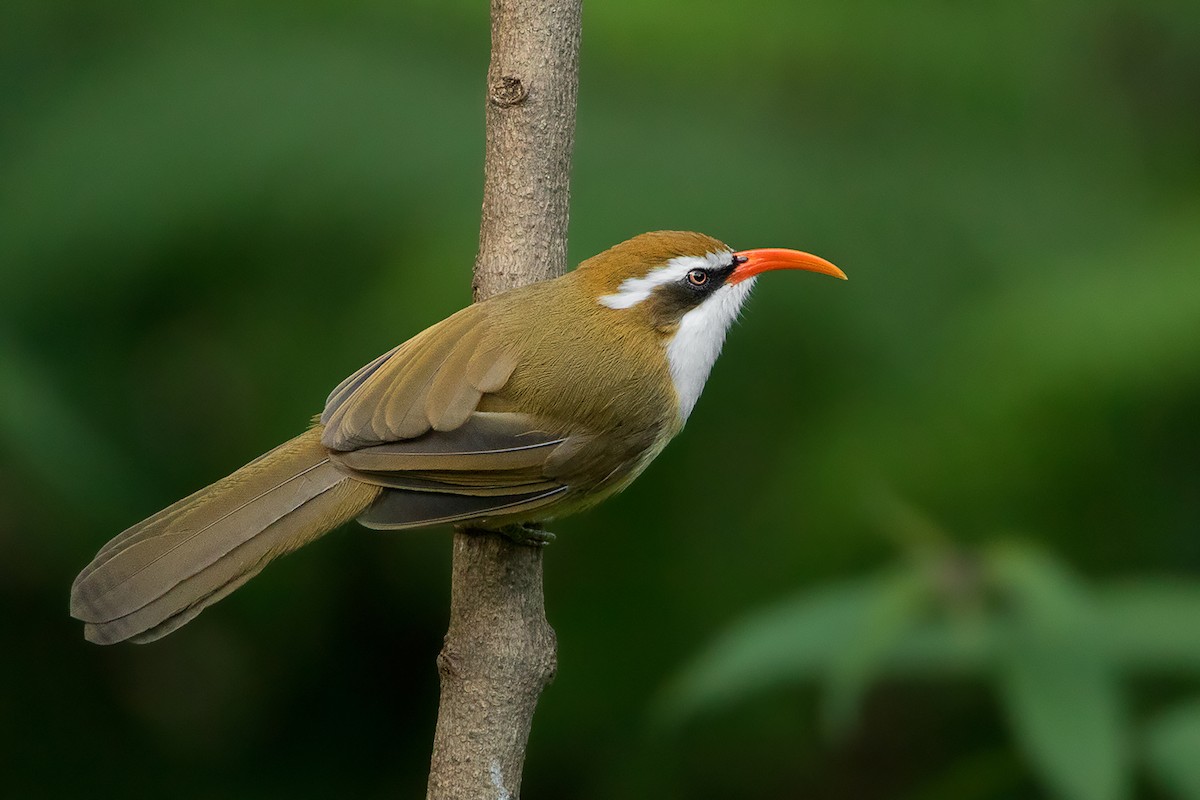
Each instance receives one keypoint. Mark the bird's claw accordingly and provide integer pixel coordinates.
(528, 534)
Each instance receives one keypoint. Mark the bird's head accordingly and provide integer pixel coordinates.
(665, 275)
(689, 288)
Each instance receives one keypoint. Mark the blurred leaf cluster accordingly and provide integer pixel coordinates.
(1057, 653)
(210, 213)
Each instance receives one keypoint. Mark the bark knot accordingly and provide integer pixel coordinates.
(448, 663)
(507, 91)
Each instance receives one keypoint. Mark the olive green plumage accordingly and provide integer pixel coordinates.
(532, 404)
(527, 406)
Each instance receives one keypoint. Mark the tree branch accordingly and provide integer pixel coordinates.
(500, 651)
(533, 80)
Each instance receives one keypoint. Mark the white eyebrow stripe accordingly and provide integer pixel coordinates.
(634, 290)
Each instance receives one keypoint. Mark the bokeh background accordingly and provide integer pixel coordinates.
(931, 533)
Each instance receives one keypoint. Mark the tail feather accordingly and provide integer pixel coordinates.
(145, 528)
(186, 543)
(162, 572)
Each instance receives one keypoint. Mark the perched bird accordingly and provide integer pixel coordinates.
(530, 405)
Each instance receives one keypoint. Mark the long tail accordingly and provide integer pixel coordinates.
(162, 572)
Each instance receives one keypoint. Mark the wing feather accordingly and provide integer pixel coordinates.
(487, 441)
(433, 381)
(495, 462)
(398, 509)
(452, 397)
(490, 368)
(420, 483)
(403, 408)
(348, 386)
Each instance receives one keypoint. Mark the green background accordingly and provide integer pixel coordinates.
(211, 213)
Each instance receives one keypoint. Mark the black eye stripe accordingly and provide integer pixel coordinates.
(709, 279)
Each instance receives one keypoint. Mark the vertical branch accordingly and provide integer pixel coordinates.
(533, 80)
(500, 651)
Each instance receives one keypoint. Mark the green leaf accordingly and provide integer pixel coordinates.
(947, 647)
(1147, 626)
(893, 610)
(1150, 625)
(1172, 747)
(795, 640)
(1057, 683)
(1064, 705)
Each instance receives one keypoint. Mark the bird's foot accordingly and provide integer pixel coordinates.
(530, 534)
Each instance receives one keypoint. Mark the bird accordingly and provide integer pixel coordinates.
(519, 409)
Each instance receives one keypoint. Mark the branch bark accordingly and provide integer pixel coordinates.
(500, 650)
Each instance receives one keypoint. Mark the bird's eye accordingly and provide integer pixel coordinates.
(697, 277)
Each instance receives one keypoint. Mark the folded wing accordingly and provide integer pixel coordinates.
(409, 422)
(434, 381)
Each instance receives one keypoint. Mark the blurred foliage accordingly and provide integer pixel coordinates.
(211, 213)
(1173, 742)
(1058, 654)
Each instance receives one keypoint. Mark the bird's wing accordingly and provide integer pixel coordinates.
(410, 423)
(492, 452)
(495, 463)
(434, 381)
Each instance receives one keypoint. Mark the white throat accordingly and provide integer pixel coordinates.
(697, 342)
(693, 350)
